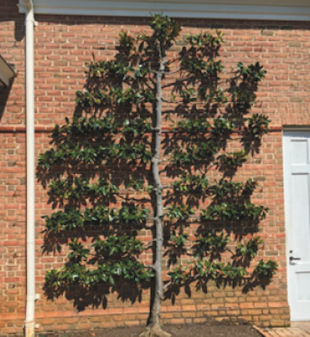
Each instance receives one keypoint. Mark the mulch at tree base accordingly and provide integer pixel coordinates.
(221, 329)
(197, 330)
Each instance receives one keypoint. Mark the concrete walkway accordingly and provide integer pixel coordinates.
(297, 329)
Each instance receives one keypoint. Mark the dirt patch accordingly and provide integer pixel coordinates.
(192, 330)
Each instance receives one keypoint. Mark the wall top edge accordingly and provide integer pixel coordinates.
(298, 10)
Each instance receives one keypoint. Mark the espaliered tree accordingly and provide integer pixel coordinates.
(152, 151)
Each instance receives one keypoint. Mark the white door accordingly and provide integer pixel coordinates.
(296, 150)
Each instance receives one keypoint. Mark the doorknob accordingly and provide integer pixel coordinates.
(294, 258)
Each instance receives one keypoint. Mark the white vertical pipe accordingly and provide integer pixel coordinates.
(30, 167)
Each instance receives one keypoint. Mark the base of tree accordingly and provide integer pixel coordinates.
(154, 331)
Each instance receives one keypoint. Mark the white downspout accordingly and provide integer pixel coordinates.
(30, 166)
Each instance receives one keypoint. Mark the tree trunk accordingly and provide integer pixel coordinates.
(153, 329)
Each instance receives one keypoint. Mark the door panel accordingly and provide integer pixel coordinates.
(296, 151)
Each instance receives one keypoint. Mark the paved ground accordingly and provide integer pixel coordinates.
(297, 329)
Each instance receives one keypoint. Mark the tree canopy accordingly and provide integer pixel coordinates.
(148, 165)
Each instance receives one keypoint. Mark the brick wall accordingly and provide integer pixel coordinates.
(63, 45)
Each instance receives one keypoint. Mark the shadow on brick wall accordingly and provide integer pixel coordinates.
(4, 94)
